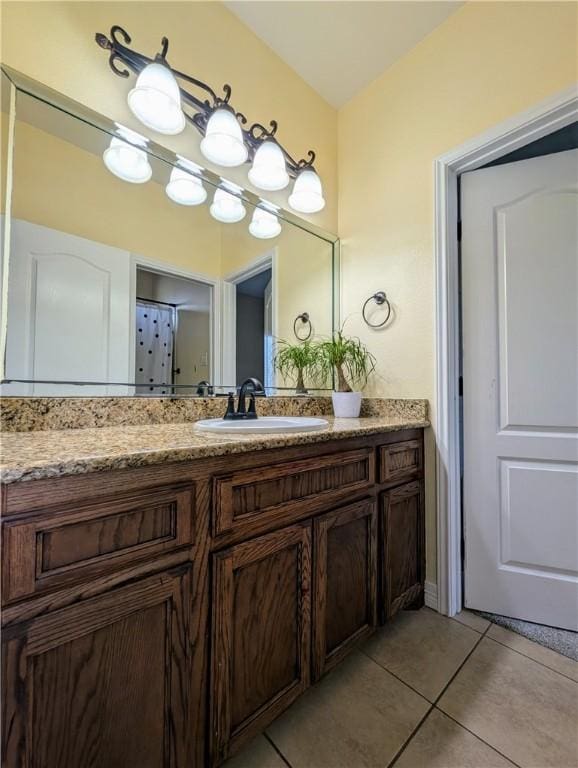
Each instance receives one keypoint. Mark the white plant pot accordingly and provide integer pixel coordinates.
(346, 405)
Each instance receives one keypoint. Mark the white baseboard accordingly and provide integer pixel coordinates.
(431, 595)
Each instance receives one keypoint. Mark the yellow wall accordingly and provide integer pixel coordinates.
(487, 62)
(54, 44)
(4, 131)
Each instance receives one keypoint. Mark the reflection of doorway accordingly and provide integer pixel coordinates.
(249, 322)
(172, 333)
(252, 307)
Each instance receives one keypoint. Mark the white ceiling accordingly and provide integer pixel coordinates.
(339, 46)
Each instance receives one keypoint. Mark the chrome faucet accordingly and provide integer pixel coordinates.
(250, 386)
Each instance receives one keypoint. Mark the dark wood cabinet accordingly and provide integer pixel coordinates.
(261, 633)
(403, 547)
(158, 617)
(102, 683)
(344, 581)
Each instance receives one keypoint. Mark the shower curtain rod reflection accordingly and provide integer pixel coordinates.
(156, 301)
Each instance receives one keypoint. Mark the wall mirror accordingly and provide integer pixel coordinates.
(111, 287)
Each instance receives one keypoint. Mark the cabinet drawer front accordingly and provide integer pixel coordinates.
(398, 461)
(68, 546)
(259, 497)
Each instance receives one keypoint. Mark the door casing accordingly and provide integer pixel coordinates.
(543, 119)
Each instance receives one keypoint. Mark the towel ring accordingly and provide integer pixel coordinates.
(304, 317)
(379, 298)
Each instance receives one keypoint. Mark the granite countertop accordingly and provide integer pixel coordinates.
(54, 453)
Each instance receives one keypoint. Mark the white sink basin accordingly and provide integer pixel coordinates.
(262, 425)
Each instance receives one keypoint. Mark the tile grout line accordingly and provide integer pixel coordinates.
(433, 706)
(389, 672)
(529, 640)
(541, 663)
(406, 743)
(483, 635)
(453, 677)
(463, 624)
(277, 750)
(475, 735)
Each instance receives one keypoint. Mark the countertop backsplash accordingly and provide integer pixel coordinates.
(31, 414)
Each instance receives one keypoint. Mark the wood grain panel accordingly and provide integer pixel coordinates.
(269, 493)
(265, 643)
(345, 581)
(403, 547)
(80, 542)
(106, 682)
(261, 634)
(43, 552)
(400, 461)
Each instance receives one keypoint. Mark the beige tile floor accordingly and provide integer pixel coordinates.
(431, 692)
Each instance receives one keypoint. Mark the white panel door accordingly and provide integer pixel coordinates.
(69, 313)
(520, 370)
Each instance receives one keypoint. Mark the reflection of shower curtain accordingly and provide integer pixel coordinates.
(154, 347)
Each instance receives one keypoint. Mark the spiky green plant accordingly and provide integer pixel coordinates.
(296, 361)
(348, 357)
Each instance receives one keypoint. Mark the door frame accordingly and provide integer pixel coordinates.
(545, 118)
(164, 268)
(267, 260)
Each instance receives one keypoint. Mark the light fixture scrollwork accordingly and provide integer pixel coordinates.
(163, 100)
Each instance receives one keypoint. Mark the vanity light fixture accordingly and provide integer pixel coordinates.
(227, 207)
(307, 195)
(269, 171)
(163, 98)
(223, 141)
(126, 156)
(264, 224)
(156, 99)
(185, 187)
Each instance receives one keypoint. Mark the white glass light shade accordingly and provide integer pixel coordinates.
(264, 225)
(127, 162)
(156, 100)
(185, 189)
(226, 207)
(268, 170)
(307, 195)
(223, 141)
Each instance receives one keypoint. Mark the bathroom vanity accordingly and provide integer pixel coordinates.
(162, 615)
(168, 592)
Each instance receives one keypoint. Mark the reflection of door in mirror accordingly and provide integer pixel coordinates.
(69, 298)
(254, 327)
(173, 341)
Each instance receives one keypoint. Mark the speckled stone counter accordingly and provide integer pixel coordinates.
(43, 454)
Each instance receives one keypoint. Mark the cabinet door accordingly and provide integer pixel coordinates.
(261, 633)
(103, 683)
(345, 581)
(403, 545)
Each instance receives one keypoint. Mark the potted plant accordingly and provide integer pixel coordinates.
(296, 361)
(352, 363)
